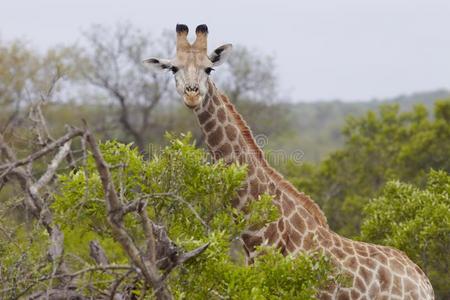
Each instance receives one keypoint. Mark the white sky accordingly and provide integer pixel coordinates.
(349, 49)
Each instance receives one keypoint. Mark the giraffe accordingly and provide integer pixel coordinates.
(375, 272)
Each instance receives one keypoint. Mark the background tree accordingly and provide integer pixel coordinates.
(111, 62)
(27, 76)
(249, 76)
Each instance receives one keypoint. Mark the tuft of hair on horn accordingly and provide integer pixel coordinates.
(182, 28)
(201, 29)
(202, 35)
(182, 42)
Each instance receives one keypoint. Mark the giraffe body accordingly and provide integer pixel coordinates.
(376, 272)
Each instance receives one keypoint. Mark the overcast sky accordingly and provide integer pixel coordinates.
(348, 49)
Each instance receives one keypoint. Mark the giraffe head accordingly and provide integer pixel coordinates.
(192, 65)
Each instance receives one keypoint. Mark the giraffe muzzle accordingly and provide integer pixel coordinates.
(192, 98)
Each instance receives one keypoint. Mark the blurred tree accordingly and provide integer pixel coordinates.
(249, 76)
(417, 222)
(18, 66)
(27, 76)
(112, 62)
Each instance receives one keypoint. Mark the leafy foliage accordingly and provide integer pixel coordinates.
(182, 174)
(23, 262)
(272, 276)
(191, 197)
(416, 221)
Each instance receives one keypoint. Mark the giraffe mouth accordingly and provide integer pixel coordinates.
(190, 105)
(192, 101)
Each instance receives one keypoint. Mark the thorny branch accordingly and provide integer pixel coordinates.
(159, 245)
(115, 220)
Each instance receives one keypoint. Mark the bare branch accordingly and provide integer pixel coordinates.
(116, 284)
(56, 247)
(115, 220)
(191, 254)
(51, 169)
(50, 147)
(147, 226)
(6, 150)
(40, 126)
(97, 253)
(57, 294)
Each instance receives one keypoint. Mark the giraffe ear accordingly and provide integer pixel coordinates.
(221, 54)
(159, 64)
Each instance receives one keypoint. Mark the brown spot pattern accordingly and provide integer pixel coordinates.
(287, 206)
(211, 107)
(385, 278)
(355, 294)
(343, 295)
(396, 285)
(296, 238)
(210, 125)
(260, 175)
(216, 100)
(221, 115)
(254, 188)
(396, 266)
(251, 241)
(215, 137)
(271, 233)
(365, 274)
(280, 225)
(298, 223)
(339, 253)
(224, 150)
(203, 117)
(308, 241)
(350, 263)
(359, 284)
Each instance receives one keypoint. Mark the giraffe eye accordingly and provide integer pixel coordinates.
(208, 70)
(174, 69)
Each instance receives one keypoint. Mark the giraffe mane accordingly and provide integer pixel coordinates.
(304, 199)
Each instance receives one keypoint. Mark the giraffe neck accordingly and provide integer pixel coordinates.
(228, 137)
(228, 141)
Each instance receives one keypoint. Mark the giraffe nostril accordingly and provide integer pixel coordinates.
(191, 88)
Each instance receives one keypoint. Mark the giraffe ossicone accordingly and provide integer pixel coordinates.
(376, 272)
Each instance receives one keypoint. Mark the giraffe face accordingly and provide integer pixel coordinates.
(191, 70)
(192, 66)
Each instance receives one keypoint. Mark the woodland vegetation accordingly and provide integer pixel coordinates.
(98, 200)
